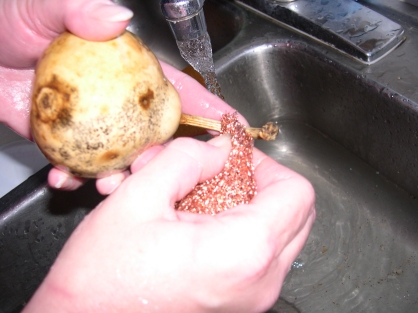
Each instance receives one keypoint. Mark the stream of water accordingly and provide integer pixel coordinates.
(198, 53)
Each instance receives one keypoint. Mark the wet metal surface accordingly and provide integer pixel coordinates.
(361, 255)
(357, 142)
(344, 24)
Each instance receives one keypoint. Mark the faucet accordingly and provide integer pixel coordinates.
(343, 24)
(185, 17)
(188, 25)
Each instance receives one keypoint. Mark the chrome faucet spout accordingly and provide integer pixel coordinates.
(345, 25)
(185, 18)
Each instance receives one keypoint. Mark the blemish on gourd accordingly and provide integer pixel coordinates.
(53, 102)
(108, 156)
(145, 99)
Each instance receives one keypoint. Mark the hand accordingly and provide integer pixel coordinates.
(29, 26)
(135, 253)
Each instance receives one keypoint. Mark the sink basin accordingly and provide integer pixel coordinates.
(351, 129)
(351, 141)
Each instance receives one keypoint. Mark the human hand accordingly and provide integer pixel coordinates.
(135, 253)
(28, 27)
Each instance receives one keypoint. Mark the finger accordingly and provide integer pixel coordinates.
(284, 199)
(107, 185)
(280, 265)
(29, 26)
(145, 157)
(282, 261)
(293, 249)
(60, 180)
(200, 161)
(96, 20)
(195, 99)
(171, 175)
(15, 87)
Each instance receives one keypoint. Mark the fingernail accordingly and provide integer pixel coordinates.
(112, 186)
(111, 13)
(63, 180)
(67, 183)
(220, 141)
(114, 181)
(145, 157)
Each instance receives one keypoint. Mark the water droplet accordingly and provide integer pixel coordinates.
(27, 227)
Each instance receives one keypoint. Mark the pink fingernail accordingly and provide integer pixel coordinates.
(112, 13)
(114, 181)
(220, 141)
(112, 186)
(65, 182)
(61, 182)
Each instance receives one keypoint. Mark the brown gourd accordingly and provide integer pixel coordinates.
(97, 105)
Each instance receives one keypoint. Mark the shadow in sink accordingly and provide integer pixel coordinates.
(352, 139)
(35, 222)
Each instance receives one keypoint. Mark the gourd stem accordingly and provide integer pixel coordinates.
(268, 132)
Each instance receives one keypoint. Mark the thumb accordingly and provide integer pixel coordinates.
(96, 20)
(153, 191)
(28, 26)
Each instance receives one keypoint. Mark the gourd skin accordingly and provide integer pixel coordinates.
(97, 105)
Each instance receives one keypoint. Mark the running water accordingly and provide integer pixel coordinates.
(198, 53)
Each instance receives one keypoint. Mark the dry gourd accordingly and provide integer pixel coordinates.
(97, 105)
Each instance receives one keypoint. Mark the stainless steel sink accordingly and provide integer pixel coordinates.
(350, 128)
(338, 132)
(355, 137)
